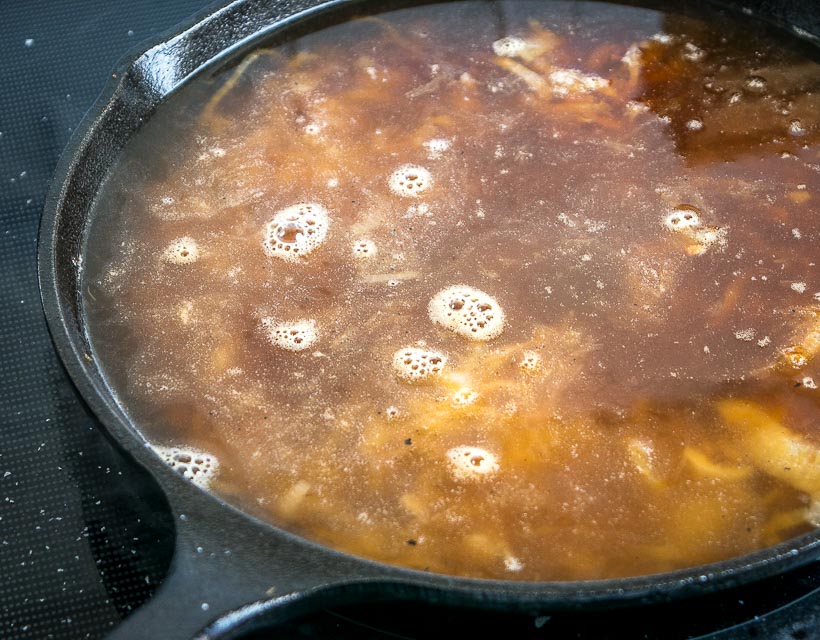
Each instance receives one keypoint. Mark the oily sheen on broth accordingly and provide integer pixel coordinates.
(513, 290)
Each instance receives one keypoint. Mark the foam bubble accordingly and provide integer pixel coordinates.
(756, 84)
(464, 397)
(314, 128)
(796, 356)
(797, 129)
(694, 124)
(410, 181)
(509, 46)
(530, 362)
(682, 218)
(693, 53)
(511, 563)
(472, 463)
(436, 147)
(291, 336)
(468, 312)
(194, 465)
(415, 364)
(746, 335)
(295, 231)
(182, 251)
(364, 249)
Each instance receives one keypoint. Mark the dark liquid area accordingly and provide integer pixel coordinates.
(626, 201)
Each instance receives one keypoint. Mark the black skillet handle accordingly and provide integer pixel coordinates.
(229, 574)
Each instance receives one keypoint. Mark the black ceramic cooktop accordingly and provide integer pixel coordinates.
(84, 538)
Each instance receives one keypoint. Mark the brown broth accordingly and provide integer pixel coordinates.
(636, 190)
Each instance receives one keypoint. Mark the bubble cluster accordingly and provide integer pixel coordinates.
(797, 129)
(530, 362)
(197, 466)
(746, 335)
(416, 364)
(685, 219)
(181, 251)
(796, 356)
(693, 53)
(511, 563)
(799, 287)
(509, 46)
(295, 231)
(682, 217)
(314, 128)
(410, 181)
(756, 84)
(436, 147)
(464, 397)
(468, 312)
(471, 463)
(291, 336)
(364, 249)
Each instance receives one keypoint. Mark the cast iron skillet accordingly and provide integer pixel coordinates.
(232, 573)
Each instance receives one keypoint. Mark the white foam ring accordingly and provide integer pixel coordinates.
(682, 218)
(291, 336)
(197, 466)
(472, 463)
(296, 231)
(685, 219)
(415, 364)
(410, 181)
(468, 312)
(182, 251)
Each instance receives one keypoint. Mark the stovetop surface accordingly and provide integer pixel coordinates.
(84, 538)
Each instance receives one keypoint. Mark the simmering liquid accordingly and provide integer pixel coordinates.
(514, 290)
